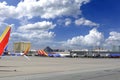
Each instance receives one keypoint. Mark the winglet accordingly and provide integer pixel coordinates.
(4, 38)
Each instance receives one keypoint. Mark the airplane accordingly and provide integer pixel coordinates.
(53, 54)
(22, 53)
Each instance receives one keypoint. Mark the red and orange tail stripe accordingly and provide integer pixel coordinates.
(39, 52)
(4, 38)
(42, 53)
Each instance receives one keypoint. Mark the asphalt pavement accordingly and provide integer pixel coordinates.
(42, 68)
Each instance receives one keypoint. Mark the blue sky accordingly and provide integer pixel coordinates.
(65, 24)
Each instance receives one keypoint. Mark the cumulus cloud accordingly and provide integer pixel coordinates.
(43, 36)
(42, 8)
(44, 25)
(51, 8)
(67, 22)
(113, 39)
(94, 38)
(7, 11)
(85, 22)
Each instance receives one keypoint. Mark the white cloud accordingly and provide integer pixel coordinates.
(94, 38)
(45, 9)
(85, 22)
(113, 39)
(38, 26)
(38, 30)
(31, 36)
(42, 8)
(67, 22)
(7, 11)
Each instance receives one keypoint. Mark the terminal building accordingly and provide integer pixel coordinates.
(20, 47)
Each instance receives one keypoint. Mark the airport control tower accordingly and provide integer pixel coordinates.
(21, 46)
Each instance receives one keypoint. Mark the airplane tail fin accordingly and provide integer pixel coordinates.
(27, 50)
(45, 53)
(42, 53)
(4, 38)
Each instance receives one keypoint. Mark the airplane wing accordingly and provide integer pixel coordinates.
(4, 38)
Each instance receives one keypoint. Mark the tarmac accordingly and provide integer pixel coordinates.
(46, 68)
